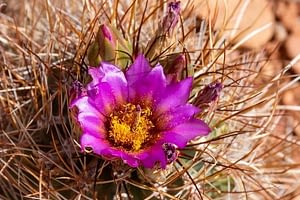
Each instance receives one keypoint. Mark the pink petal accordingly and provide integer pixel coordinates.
(150, 86)
(183, 133)
(138, 69)
(176, 116)
(97, 144)
(174, 95)
(102, 98)
(113, 76)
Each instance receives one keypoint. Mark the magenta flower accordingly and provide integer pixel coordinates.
(137, 116)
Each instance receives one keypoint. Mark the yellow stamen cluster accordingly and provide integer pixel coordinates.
(129, 126)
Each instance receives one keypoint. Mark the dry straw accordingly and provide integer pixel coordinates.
(43, 49)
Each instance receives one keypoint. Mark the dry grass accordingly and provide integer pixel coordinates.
(43, 49)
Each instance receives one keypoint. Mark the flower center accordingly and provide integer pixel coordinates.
(129, 127)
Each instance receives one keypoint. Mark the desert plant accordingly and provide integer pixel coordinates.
(47, 49)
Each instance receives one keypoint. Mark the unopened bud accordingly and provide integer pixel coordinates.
(105, 33)
(109, 46)
(208, 95)
(172, 17)
(107, 43)
(174, 67)
(93, 55)
(103, 48)
(162, 38)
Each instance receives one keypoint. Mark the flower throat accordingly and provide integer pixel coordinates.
(129, 127)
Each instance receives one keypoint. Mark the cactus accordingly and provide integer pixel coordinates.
(48, 52)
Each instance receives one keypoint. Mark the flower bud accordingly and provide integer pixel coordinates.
(171, 19)
(109, 46)
(123, 48)
(93, 55)
(208, 95)
(107, 43)
(105, 33)
(161, 40)
(175, 66)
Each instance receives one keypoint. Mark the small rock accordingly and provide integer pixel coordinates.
(287, 12)
(280, 32)
(225, 14)
(291, 96)
(296, 67)
(292, 45)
